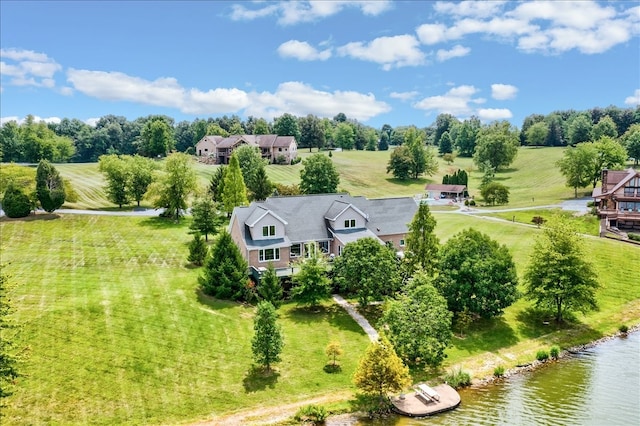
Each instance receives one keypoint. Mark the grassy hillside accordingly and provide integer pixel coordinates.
(533, 178)
(117, 332)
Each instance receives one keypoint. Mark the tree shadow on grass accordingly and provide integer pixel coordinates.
(533, 322)
(408, 182)
(486, 335)
(258, 378)
(333, 314)
(163, 223)
(32, 217)
(214, 304)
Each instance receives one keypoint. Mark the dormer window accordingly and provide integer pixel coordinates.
(350, 223)
(269, 231)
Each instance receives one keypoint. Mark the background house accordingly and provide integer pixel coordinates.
(274, 148)
(618, 201)
(277, 229)
(438, 190)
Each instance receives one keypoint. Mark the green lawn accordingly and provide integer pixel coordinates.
(586, 224)
(117, 332)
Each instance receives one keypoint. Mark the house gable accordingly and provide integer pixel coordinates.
(343, 216)
(264, 224)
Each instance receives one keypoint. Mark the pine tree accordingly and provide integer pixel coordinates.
(270, 288)
(15, 202)
(235, 191)
(422, 243)
(205, 218)
(262, 186)
(49, 187)
(267, 343)
(216, 186)
(197, 250)
(225, 272)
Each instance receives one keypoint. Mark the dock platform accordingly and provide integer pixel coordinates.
(415, 405)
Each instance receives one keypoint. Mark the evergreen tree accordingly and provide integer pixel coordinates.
(8, 360)
(216, 186)
(225, 273)
(383, 144)
(262, 186)
(49, 187)
(269, 287)
(422, 244)
(267, 343)
(445, 144)
(15, 202)
(235, 191)
(197, 250)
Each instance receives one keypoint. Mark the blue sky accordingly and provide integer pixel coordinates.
(379, 62)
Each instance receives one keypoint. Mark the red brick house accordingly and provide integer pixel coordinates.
(618, 201)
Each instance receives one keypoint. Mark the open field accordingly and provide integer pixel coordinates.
(533, 178)
(117, 332)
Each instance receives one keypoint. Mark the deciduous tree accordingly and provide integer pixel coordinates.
(141, 176)
(117, 175)
(49, 187)
(333, 350)
(380, 371)
(419, 323)
(157, 138)
(559, 277)
(310, 283)
(478, 274)
(177, 184)
(205, 217)
(496, 145)
(225, 272)
(400, 163)
(267, 341)
(344, 135)
(368, 269)
(286, 125)
(318, 175)
(495, 193)
(577, 166)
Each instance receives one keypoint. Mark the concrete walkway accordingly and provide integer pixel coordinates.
(362, 321)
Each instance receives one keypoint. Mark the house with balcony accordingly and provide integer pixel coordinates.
(273, 148)
(279, 229)
(618, 201)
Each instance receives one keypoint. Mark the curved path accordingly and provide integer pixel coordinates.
(362, 321)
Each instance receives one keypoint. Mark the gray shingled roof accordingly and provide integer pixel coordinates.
(305, 215)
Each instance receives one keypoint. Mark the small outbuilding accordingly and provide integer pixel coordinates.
(440, 190)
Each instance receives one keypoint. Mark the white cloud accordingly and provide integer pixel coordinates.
(538, 26)
(491, 114)
(36, 119)
(303, 51)
(293, 97)
(634, 99)
(295, 12)
(301, 99)
(403, 96)
(503, 91)
(28, 68)
(456, 101)
(469, 8)
(455, 52)
(391, 52)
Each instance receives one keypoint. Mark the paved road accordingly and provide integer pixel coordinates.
(362, 321)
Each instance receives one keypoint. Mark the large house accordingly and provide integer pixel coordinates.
(618, 201)
(274, 148)
(277, 229)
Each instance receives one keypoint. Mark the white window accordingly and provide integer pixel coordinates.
(269, 254)
(350, 223)
(401, 243)
(324, 246)
(269, 231)
(339, 250)
(296, 250)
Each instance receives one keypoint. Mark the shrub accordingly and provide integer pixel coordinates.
(554, 352)
(458, 378)
(197, 250)
(634, 237)
(311, 414)
(15, 202)
(542, 355)
(296, 160)
(281, 159)
(472, 202)
(623, 329)
(498, 371)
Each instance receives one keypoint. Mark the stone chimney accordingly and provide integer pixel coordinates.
(605, 174)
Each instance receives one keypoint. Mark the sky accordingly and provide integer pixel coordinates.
(379, 62)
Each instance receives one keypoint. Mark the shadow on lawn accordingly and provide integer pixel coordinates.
(258, 378)
(486, 335)
(534, 323)
(163, 223)
(333, 314)
(32, 217)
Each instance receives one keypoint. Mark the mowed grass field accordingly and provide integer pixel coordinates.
(533, 178)
(117, 333)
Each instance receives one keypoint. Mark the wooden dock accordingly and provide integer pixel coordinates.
(415, 405)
